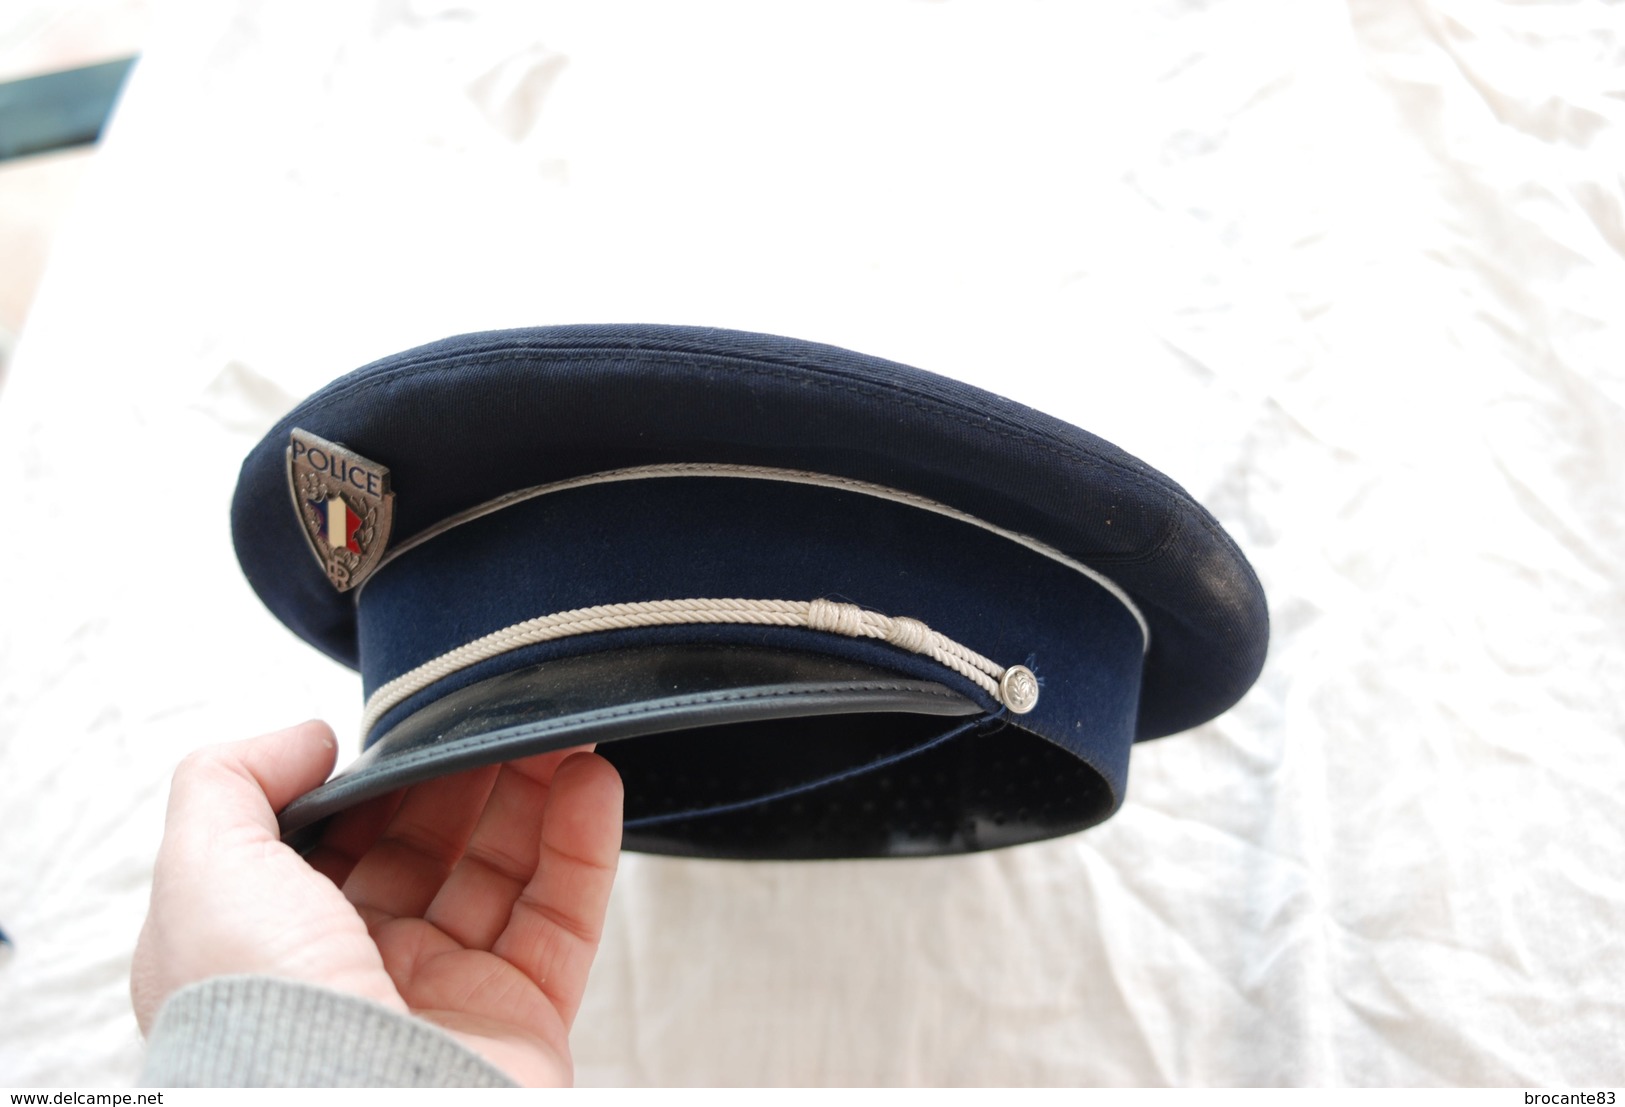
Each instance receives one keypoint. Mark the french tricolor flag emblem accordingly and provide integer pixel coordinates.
(337, 524)
(345, 506)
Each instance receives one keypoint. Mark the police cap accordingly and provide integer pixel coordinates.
(810, 603)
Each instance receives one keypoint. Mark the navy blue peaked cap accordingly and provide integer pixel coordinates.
(810, 603)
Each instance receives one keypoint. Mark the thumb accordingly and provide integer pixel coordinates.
(221, 794)
(249, 782)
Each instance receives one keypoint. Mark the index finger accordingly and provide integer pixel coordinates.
(553, 932)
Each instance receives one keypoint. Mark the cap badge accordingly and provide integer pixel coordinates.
(345, 506)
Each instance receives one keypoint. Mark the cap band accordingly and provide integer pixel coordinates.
(652, 542)
(791, 476)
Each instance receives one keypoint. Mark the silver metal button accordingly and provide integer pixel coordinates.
(1018, 689)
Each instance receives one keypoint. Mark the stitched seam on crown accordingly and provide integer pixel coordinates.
(1170, 529)
(707, 699)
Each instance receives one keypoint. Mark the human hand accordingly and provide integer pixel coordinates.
(474, 901)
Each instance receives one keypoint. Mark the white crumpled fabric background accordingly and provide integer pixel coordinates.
(1351, 273)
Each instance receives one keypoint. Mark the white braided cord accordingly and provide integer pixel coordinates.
(829, 616)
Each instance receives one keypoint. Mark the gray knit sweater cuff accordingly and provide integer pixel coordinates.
(261, 1032)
